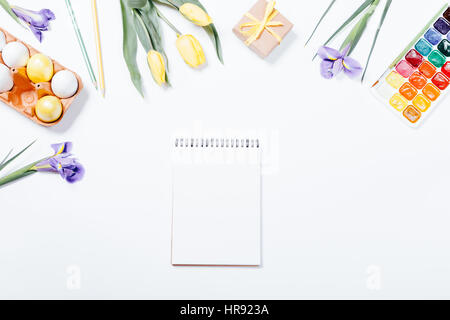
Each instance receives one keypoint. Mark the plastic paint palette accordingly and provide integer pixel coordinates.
(25, 94)
(419, 78)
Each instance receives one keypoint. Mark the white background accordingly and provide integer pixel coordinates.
(356, 207)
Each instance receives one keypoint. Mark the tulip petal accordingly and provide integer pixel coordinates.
(191, 50)
(200, 53)
(196, 14)
(157, 66)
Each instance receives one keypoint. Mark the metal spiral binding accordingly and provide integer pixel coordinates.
(234, 143)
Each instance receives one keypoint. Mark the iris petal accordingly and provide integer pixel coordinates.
(75, 174)
(37, 21)
(69, 169)
(62, 148)
(328, 53)
(48, 13)
(338, 67)
(326, 68)
(62, 162)
(352, 67)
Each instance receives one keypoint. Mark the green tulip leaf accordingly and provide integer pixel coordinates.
(169, 3)
(136, 4)
(150, 19)
(130, 46)
(141, 30)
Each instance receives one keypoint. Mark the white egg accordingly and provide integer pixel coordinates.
(15, 54)
(64, 84)
(2, 41)
(6, 79)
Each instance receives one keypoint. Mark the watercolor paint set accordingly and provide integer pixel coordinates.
(419, 78)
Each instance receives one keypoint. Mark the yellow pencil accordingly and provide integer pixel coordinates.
(99, 48)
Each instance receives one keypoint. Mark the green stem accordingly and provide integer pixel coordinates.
(21, 173)
(7, 161)
(6, 158)
(383, 17)
(355, 14)
(8, 8)
(163, 18)
(358, 30)
(16, 175)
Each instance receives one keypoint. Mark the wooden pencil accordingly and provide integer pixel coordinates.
(101, 74)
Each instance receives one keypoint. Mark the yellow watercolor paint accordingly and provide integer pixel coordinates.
(421, 103)
(395, 80)
(398, 102)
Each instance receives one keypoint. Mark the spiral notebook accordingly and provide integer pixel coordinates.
(216, 202)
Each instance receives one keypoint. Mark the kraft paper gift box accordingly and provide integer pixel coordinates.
(263, 28)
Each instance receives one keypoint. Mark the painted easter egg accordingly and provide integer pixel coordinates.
(15, 54)
(6, 79)
(64, 84)
(48, 109)
(40, 68)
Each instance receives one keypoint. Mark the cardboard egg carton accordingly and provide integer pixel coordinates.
(25, 94)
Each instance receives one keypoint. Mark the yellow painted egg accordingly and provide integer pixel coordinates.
(40, 68)
(48, 109)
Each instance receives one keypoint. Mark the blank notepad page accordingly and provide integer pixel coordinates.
(216, 203)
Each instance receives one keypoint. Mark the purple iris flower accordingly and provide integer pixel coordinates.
(63, 163)
(38, 21)
(335, 61)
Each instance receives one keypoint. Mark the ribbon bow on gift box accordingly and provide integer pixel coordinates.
(258, 27)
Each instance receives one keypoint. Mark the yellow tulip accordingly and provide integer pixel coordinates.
(191, 50)
(157, 66)
(196, 14)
